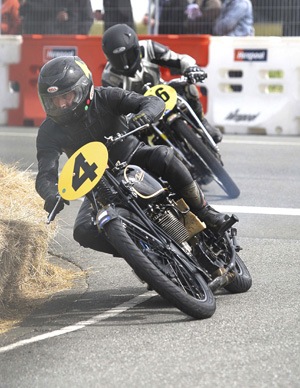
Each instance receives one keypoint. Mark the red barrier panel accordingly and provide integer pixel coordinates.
(38, 49)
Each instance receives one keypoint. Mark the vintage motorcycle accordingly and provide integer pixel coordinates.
(181, 129)
(153, 229)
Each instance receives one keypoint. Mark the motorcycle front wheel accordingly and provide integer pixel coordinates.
(242, 281)
(164, 267)
(204, 160)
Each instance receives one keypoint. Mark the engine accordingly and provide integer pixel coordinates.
(176, 220)
(172, 226)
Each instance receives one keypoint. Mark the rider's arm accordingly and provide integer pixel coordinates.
(110, 78)
(48, 160)
(163, 56)
(124, 102)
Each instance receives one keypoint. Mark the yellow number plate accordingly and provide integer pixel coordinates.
(166, 93)
(83, 171)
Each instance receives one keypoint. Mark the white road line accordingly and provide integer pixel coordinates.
(259, 142)
(82, 324)
(258, 210)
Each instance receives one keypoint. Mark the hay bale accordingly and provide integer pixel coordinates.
(25, 272)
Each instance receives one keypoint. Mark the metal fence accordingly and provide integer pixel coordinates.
(271, 17)
(277, 17)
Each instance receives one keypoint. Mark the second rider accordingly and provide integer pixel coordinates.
(133, 63)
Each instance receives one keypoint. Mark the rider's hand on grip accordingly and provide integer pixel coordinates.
(195, 74)
(138, 120)
(51, 201)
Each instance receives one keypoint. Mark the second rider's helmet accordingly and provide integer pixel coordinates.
(120, 44)
(65, 78)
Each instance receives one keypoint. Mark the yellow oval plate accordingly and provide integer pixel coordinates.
(166, 93)
(83, 171)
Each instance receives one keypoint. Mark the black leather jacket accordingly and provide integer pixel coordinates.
(153, 55)
(105, 118)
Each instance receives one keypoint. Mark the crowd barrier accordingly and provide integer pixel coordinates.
(35, 52)
(38, 49)
(10, 52)
(252, 86)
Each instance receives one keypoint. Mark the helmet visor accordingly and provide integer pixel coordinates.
(60, 104)
(124, 62)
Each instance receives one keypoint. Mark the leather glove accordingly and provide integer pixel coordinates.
(137, 120)
(51, 201)
(195, 74)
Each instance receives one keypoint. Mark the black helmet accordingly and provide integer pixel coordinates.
(120, 44)
(65, 88)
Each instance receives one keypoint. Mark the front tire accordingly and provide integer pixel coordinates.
(167, 270)
(242, 281)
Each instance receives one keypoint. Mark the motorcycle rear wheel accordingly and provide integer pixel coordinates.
(212, 255)
(206, 159)
(167, 270)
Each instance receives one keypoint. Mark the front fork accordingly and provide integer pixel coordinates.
(199, 123)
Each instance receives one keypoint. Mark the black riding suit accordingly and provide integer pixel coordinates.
(106, 118)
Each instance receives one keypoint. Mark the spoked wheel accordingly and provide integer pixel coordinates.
(205, 161)
(163, 266)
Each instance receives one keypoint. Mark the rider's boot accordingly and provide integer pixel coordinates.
(194, 197)
(214, 132)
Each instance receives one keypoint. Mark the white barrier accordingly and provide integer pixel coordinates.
(10, 52)
(254, 85)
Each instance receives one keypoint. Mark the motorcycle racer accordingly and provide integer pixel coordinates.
(78, 113)
(133, 63)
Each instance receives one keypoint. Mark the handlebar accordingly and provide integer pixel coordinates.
(52, 215)
(186, 80)
(111, 140)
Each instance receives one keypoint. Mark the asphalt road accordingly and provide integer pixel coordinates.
(111, 332)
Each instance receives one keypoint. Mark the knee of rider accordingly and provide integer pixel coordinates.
(88, 236)
(192, 92)
(174, 171)
(161, 157)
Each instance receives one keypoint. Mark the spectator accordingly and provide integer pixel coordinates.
(172, 17)
(35, 14)
(98, 15)
(152, 21)
(236, 19)
(117, 11)
(85, 18)
(10, 19)
(149, 20)
(201, 16)
(72, 17)
(59, 17)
